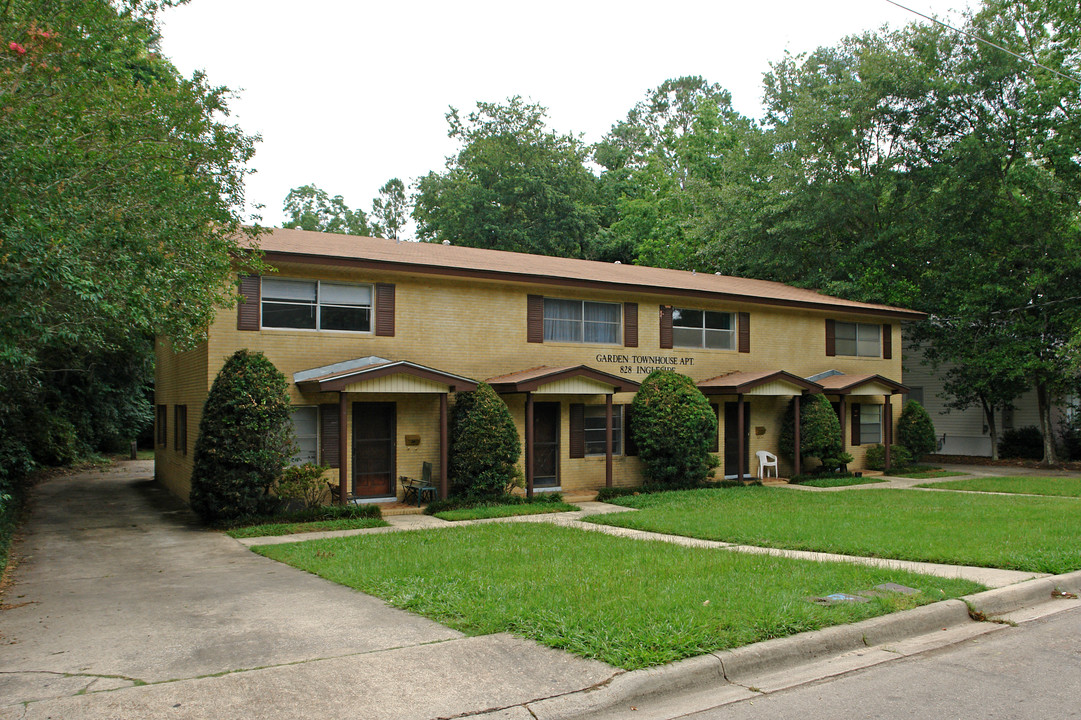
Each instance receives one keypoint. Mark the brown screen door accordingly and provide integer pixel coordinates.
(374, 427)
(546, 444)
(731, 439)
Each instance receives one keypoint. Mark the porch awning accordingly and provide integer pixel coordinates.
(576, 380)
(376, 374)
(763, 382)
(841, 384)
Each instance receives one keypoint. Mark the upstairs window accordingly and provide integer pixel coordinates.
(595, 429)
(859, 339)
(316, 305)
(581, 321)
(703, 329)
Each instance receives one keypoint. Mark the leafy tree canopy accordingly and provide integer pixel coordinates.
(390, 210)
(310, 208)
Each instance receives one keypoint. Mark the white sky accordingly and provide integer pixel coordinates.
(347, 95)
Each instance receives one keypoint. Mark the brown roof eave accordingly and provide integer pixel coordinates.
(340, 382)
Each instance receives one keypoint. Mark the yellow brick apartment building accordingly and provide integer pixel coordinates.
(377, 336)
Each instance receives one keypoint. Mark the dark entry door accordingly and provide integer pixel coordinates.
(546, 444)
(374, 426)
(731, 439)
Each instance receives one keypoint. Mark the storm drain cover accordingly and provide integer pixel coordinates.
(838, 598)
(894, 587)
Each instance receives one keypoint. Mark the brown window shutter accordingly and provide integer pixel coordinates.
(887, 341)
(384, 309)
(744, 333)
(577, 442)
(630, 447)
(715, 446)
(666, 326)
(630, 324)
(329, 436)
(247, 309)
(855, 423)
(831, 338)
(534, 319)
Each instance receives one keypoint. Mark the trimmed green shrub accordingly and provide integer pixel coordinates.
(916, 431)
(900, 457)
(302, 484)
(1025, 442)
(674, 428)
(464, 503)
(322, 512)
(245, 439)
(820, 433)
(1070, 432)
(484, 445)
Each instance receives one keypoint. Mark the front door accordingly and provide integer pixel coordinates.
(546, 444)
(731, 439)
(374, 429)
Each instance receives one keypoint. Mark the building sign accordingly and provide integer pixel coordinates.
(644, 364)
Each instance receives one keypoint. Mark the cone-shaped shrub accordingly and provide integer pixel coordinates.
(820, 432)
(245, 439)
(484, 444)
(916, 431)
(674, 428)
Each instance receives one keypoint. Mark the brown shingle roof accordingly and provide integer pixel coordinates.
(283, 245)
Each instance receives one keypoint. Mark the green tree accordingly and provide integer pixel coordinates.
(916, 431)
(674, 428)
(390, 210)
(484, 444)
(513, 185)
(310, 208)
(245, 439)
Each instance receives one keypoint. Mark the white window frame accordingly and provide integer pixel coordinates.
(319, 304)
(581, 322)
(870, 432)
(591, 413)
(729, 334)
(864, 332)
(298, 459)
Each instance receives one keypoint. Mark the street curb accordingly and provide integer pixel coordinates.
(731, 666)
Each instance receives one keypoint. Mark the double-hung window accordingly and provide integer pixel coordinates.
(703, 329)
(870, 424)
(306, 425)
(316, 305)
(859, 339)
(595, 429)
(581, 321)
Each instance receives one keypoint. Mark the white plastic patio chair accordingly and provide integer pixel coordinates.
(766, 460)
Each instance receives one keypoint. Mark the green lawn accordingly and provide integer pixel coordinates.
(481, 512)
(841, 481)
(1020, 533)
(1054, 486)
(927, 474)
(293, 528)
(630, 603)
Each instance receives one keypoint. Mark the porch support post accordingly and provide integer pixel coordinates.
(608, 440)
(887, 428)
(529, 444)
(844, 421)
(343, 448)
(741, 450)
(795, 408)
(443, 446)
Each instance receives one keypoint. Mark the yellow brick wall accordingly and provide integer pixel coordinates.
(179, 379)
(477, 328)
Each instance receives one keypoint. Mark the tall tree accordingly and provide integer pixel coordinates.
(513, 185)
(310, 208)
(390, 210)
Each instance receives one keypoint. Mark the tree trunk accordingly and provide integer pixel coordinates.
(989, 414)
(1043, 402)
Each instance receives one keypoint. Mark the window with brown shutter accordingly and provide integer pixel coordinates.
(180, 429)
(631, 447)
(831, 338)
(163, 435)
(384, 309)
(534, 319)
(887, 341)
(855, 423)
(577, 430)
(666, 326)
(744, 333)
(329, 436)
(247, 308)
(630, 324)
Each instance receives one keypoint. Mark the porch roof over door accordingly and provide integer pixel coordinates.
(762, 382)
(376, 374)
(841, 384)
(572, 380)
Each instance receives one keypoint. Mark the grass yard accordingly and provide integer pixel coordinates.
(842, 482)
(630, 603)
(1018, 533)
(293, 528)
(482, 512)
(927, 474)
(1053, 486)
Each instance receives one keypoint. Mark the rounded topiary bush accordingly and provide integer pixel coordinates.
(1024, 442)
(674, 428)
(245, 439)
(820, 433)
(875, 459)
(484, 445)
(916, 431)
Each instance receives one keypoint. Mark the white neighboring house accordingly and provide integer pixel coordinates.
(965, 432)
